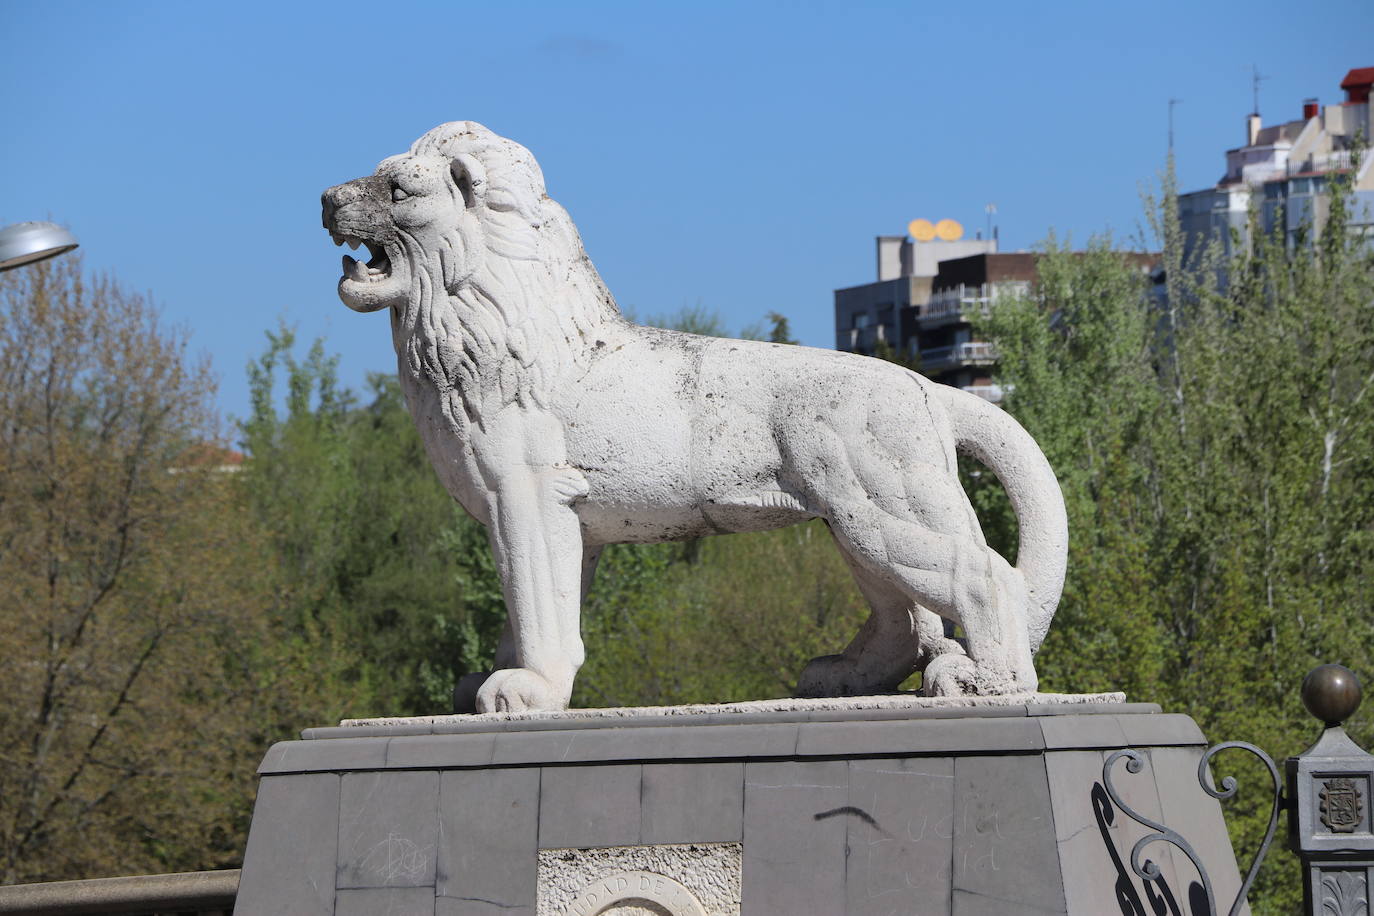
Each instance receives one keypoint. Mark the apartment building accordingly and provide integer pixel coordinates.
(924, 302)
(1282, 170)
(896, 309)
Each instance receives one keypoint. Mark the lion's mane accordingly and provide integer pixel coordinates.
(529, 308)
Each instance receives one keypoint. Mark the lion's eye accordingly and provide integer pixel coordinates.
(397, 194)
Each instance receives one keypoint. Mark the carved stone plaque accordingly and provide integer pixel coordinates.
(1343, 892)
(696, 879)
(635, 891)
(1341, 805)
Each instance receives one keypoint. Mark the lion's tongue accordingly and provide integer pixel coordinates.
(353, 269)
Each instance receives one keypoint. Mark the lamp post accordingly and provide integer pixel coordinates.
(26, 243)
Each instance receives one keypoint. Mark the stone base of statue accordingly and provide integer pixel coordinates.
(887, 805)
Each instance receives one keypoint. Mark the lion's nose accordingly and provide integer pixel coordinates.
(330, 201)
(341, 195)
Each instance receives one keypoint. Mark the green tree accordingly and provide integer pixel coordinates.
(385, 584)
(698, 319)
(1214, 448)
(694, 319)
(123, 605)
(780, 330)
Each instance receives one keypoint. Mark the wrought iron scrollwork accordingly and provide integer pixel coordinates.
(1228, 790)
(1148, 870)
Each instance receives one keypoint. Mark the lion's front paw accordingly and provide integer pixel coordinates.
(957, 675)
(518, 690)
(950, 675)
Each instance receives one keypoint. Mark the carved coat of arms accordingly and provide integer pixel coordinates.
(1340, 805)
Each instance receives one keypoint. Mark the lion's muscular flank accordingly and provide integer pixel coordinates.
(563, 428)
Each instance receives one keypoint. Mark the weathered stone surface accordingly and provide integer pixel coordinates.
(692, 803)
(488, 836)
(589, 806)
(292, 846)
(894, 707)
(1004, 844)
(564, 427)
(900, 836)
(392, 901)
(986, 814)
(388, 829)
(704, 738)
(795, 826)
(697, 879)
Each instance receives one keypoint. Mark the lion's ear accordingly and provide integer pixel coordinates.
(469, 177)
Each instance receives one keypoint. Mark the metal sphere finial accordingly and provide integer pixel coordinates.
(1331, 693)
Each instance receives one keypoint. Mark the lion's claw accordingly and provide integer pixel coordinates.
(517, 690)
(950, 675)
(568, 485)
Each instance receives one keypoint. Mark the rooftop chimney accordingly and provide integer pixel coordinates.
(1310, 109)
(1252, 129)
(891, 249)
(1356, 85)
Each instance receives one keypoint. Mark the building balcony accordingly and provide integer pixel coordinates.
(1317, 163)
(956, 304)
(972, 353)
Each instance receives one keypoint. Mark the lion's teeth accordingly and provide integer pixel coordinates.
(353, 243)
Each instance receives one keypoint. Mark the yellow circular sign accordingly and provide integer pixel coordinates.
(922, 230)
(949, 230)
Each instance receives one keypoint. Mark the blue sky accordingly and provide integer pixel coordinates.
(739, 157)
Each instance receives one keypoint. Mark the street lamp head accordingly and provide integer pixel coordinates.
(25, 243)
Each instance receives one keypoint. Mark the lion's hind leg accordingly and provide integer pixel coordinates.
(899, 638)
(916, 534)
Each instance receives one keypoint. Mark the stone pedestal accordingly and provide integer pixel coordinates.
(894, 807)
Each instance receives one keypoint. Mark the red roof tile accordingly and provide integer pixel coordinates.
(1360, 76)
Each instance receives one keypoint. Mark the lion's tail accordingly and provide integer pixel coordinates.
(990, 435)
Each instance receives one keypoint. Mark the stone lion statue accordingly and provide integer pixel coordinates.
(563, 427)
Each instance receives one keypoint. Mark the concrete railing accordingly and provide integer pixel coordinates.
(200, 892)
(1320, 162)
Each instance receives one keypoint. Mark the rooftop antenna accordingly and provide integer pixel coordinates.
(1172, 103)
(1255, 79)
(990, 209)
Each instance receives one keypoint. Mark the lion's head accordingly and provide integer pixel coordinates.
(468, 248)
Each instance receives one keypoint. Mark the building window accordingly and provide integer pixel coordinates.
(861, 320)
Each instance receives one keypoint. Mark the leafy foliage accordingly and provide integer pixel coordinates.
(378, 567)
(125, 612)
(1214, 447)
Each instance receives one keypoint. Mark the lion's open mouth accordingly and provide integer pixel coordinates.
(378, 266)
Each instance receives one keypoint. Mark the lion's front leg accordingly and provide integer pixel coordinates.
(537, 541)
